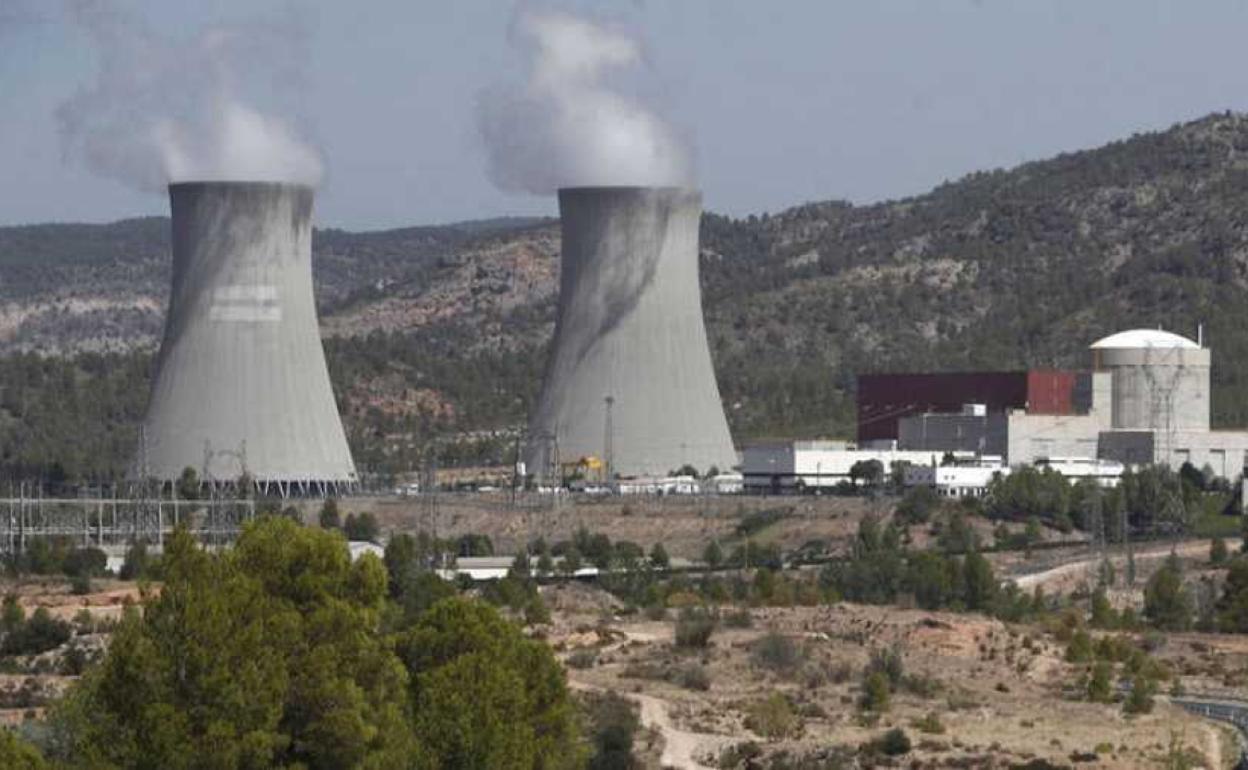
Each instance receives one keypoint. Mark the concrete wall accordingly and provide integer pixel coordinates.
(1158, 388)
(1033, 437)
(630, 328)
(241, 382)
(1223, 451)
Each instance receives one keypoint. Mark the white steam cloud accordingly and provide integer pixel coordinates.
(566, 126)
(163, 110)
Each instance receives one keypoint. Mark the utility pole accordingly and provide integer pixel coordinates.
(608, 440)
(515, 469)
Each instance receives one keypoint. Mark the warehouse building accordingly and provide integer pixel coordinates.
(796, 466)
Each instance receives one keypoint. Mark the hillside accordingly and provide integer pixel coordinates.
(1006, 268)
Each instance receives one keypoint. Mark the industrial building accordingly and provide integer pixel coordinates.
(241, 387)
(629, 380)
(1144, 400)
(972, 479)
(797, 466)
(884, 400)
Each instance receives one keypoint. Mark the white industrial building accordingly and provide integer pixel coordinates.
(972, 479)
(811, 465)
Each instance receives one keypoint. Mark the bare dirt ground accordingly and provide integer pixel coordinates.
(685, 525)
(107, 600)
(1000, 692)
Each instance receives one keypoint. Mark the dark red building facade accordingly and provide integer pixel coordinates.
(883, 399)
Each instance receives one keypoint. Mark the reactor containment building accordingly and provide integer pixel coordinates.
(629, 379)
(241, 387)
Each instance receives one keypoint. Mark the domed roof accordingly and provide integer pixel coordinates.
(1143, 338)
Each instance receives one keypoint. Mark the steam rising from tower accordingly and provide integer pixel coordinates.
(567, 125)
(163, 110)
(242, 385)
(630, 378)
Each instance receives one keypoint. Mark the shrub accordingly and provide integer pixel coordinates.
(777, 652)
(85, 562)
(917, 505)
(583, 658)
(1080, 649)
(42, 632)
(693, 677)
(756, 522)
(1217, 551)
(713, 555)
(739, 619)
(773, 718)
(1100, 687)
(12, 615)
(694, 628)
(138, 563)
(875, 693)
(893, 743)
(930, 724)
(1140, 699)
(80, 584)
(887, 662)
(329, 516)
(659, 558)
(363, 527)
(612, 722)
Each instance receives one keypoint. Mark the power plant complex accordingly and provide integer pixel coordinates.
(242, 390)
(629, 381)
(1145, 399)
(241, 387)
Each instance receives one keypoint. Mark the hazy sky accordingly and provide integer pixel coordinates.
(783, 102)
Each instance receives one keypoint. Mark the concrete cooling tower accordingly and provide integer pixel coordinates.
(241, 385)
(629, 381)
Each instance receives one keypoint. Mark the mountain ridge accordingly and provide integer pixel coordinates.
(437, 331)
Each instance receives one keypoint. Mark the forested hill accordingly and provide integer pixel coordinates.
(1001, 269)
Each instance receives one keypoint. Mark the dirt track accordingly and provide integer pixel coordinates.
(1084, 568)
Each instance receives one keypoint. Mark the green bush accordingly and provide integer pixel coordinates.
(773, 718)
(888, 662)
(80, 585)
(930, 723)
(1140, 699)
(38, 634)
(693, 677)
(777, 652)
(612, 722)
(362, 528)
(584, 658)
(1100, 685)
(876, 694)
(893, 743)
(1217, 551)
(85, 562)
(694, 628)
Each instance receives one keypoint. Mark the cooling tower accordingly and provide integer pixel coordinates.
(629, 380)
(241, 384)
